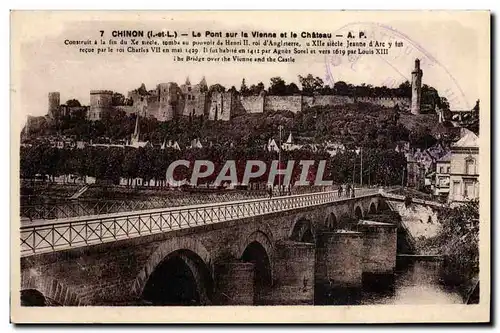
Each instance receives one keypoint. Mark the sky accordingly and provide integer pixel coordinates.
(446, 44)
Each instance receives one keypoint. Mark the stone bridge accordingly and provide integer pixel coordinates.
(280, 250)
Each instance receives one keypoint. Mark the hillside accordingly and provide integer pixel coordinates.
(357, 123)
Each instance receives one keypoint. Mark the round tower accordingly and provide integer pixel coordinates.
(54, 103)
(100, 102)
(416, 88)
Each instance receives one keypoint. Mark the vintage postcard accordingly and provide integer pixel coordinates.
(250, 166)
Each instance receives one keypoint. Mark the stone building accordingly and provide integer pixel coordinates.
(194, 98)
(100, 104)
(163, 103)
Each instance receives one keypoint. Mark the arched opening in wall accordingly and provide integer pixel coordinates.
(373, 208)
(33, 297)
(302, 232)
(182, 278)
(358, 213)
(256, 254)
(332, 222)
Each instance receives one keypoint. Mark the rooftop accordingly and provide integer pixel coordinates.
(468, 139)
(445, 158)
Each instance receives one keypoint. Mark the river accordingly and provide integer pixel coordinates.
(415, 282)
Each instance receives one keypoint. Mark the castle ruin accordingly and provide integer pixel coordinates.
(169, 100)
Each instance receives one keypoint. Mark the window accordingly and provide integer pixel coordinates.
(447, 169)
(470, 167)
(441, 169)
(469, 189)
(456, 189)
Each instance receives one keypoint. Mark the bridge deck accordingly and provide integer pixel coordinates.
(56, 235)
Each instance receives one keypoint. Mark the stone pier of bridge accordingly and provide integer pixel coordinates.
(289, 257)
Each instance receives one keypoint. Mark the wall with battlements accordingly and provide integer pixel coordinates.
(252, 104)
(283, 103)
(169, 100)
(325, 100)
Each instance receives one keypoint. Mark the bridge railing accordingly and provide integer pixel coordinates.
(72, 208)
(48, 236)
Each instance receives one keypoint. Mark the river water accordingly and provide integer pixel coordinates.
(414, 282)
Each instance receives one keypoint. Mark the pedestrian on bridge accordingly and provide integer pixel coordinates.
(340, 190)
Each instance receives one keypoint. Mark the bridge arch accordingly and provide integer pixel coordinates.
(358, 212)
(259, 251)
(332, 223)
(265, 240)
(302, 231)
(373, 208)
(47, 291)
(177, 273)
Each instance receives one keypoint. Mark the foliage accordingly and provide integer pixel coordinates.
(458, 238)
(310, 84)
(73, 103)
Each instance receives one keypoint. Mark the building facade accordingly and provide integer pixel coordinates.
(464, 168)
(442, 182)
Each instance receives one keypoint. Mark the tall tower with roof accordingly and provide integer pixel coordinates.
(416, 88)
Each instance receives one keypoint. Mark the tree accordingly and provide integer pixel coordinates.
(292, 89)
(117, 99)
(458, 239)
(404, 89)
(142, 89)
(341, 88)
(216, 88)
(256, 89)
(244, 89)
(421, 137)
(233, 90)
(73, 103)
(277, 86)
(311, 84)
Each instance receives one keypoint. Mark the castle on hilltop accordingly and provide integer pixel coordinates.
(169, 100)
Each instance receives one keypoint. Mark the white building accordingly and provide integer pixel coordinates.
(464, 168)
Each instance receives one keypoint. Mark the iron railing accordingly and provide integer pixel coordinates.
(48, 236)
(72, 208)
